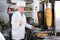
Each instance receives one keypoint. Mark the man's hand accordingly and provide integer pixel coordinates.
(21, 23)
(33, 27)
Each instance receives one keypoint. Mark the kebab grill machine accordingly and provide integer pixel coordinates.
(46, 27)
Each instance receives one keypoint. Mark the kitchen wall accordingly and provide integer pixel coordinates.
(3, 11)
(28, 14)
(4, 15)
(35, 10)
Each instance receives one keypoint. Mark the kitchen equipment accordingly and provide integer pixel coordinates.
(30, 20)
(41, 33)
(38, 34)
(37, 29)
(49, 15)
(40, 16)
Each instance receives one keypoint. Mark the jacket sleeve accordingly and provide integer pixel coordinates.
(28, 26)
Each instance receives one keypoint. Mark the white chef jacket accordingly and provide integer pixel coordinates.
(18, 32)
(1, 36)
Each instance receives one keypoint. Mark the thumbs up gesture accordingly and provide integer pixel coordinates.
(21, 23)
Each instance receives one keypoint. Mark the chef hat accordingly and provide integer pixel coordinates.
(20, 3)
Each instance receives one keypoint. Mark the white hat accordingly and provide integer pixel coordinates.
(21, 3)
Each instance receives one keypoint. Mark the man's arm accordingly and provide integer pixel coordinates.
(30, 26)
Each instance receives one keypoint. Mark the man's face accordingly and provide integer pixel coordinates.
(20, 8)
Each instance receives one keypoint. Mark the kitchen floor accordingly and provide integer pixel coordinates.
(52, 38)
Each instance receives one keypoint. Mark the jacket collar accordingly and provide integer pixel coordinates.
(20, 13)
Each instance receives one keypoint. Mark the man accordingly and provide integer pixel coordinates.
(19, 22)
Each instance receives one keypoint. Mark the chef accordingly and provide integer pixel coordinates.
(19, 22)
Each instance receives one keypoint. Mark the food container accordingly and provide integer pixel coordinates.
(39, 33)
